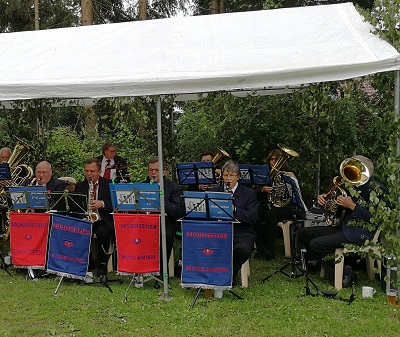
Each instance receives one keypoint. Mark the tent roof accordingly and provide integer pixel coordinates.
(237, 51)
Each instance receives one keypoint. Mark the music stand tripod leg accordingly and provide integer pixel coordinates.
(4, 265)
(129, 287)
(58, 285)
(195, 298)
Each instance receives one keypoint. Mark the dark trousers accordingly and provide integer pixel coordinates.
(170, 229)
(242, 249)
(105, 234)
(267, 228)
(321, 241)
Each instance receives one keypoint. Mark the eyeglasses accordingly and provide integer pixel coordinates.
(273, 158)
(226, 175)
(153, 170)
(42, 172)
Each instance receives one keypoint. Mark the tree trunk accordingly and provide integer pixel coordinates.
(215, 6)
(221, 6)
(142, 9)
(87, 12)
(36, 5)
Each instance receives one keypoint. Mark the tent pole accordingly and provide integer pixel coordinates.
(165, 295)
(396, 103)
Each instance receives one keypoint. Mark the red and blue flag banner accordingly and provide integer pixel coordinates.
(207, 249)
(138, 243)
(29, 234)
(69, 246)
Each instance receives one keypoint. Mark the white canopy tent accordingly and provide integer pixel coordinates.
(240, 51)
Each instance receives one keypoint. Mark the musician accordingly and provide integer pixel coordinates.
(271, 214)
(5, 154)
(112, 166)
(44, 177)
(245, 211)
(101, 204)
(174, 207)
(321, 241)
(206, 156)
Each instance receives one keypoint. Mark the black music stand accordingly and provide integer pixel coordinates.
(68, 203)
(294, 263)
(27, 198)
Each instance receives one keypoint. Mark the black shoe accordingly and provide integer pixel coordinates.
(349, 277)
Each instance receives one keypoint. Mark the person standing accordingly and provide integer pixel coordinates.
(112, 166)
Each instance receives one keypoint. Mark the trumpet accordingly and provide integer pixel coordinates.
(93, 216)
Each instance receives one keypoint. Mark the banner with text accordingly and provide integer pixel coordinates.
(207, 254)
(138, 243)
(29, 234)
(69, 246)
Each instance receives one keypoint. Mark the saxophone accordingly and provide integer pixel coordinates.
(93, 216)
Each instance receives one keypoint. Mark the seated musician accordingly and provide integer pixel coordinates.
(206, 156)
(321, 241)
(174, 208)
(274, 208)
(112, 166)
(245, 211)
(44, 177)
(99, 203)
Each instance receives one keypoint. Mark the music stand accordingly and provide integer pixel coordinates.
(28, 197)
(209, 205)
(135, 197)
(68, 203)
(196, 173)
(5, 173)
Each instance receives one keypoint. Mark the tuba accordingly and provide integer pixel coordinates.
(20, 173)
(355, 171)
(279, 195)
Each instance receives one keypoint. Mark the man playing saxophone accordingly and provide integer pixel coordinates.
(99, 200)
(321, 241)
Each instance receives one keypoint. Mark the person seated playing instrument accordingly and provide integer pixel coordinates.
(112, 166)
(206, 156)
(245, 211)
(174, 208)
(321, 241)
(44, 177)
(100, 203)
(276, 207)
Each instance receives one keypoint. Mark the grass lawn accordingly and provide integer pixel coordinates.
(276, 308)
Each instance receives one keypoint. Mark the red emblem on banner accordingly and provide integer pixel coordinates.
(68, 244)
(207, 251)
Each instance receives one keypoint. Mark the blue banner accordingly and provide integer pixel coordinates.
(207, 254)
(69, 246)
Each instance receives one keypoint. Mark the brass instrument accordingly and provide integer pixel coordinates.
(355, 171)
(216, 160)
(93, 216)
(20, 173)
(279, 195)
(219, 156)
